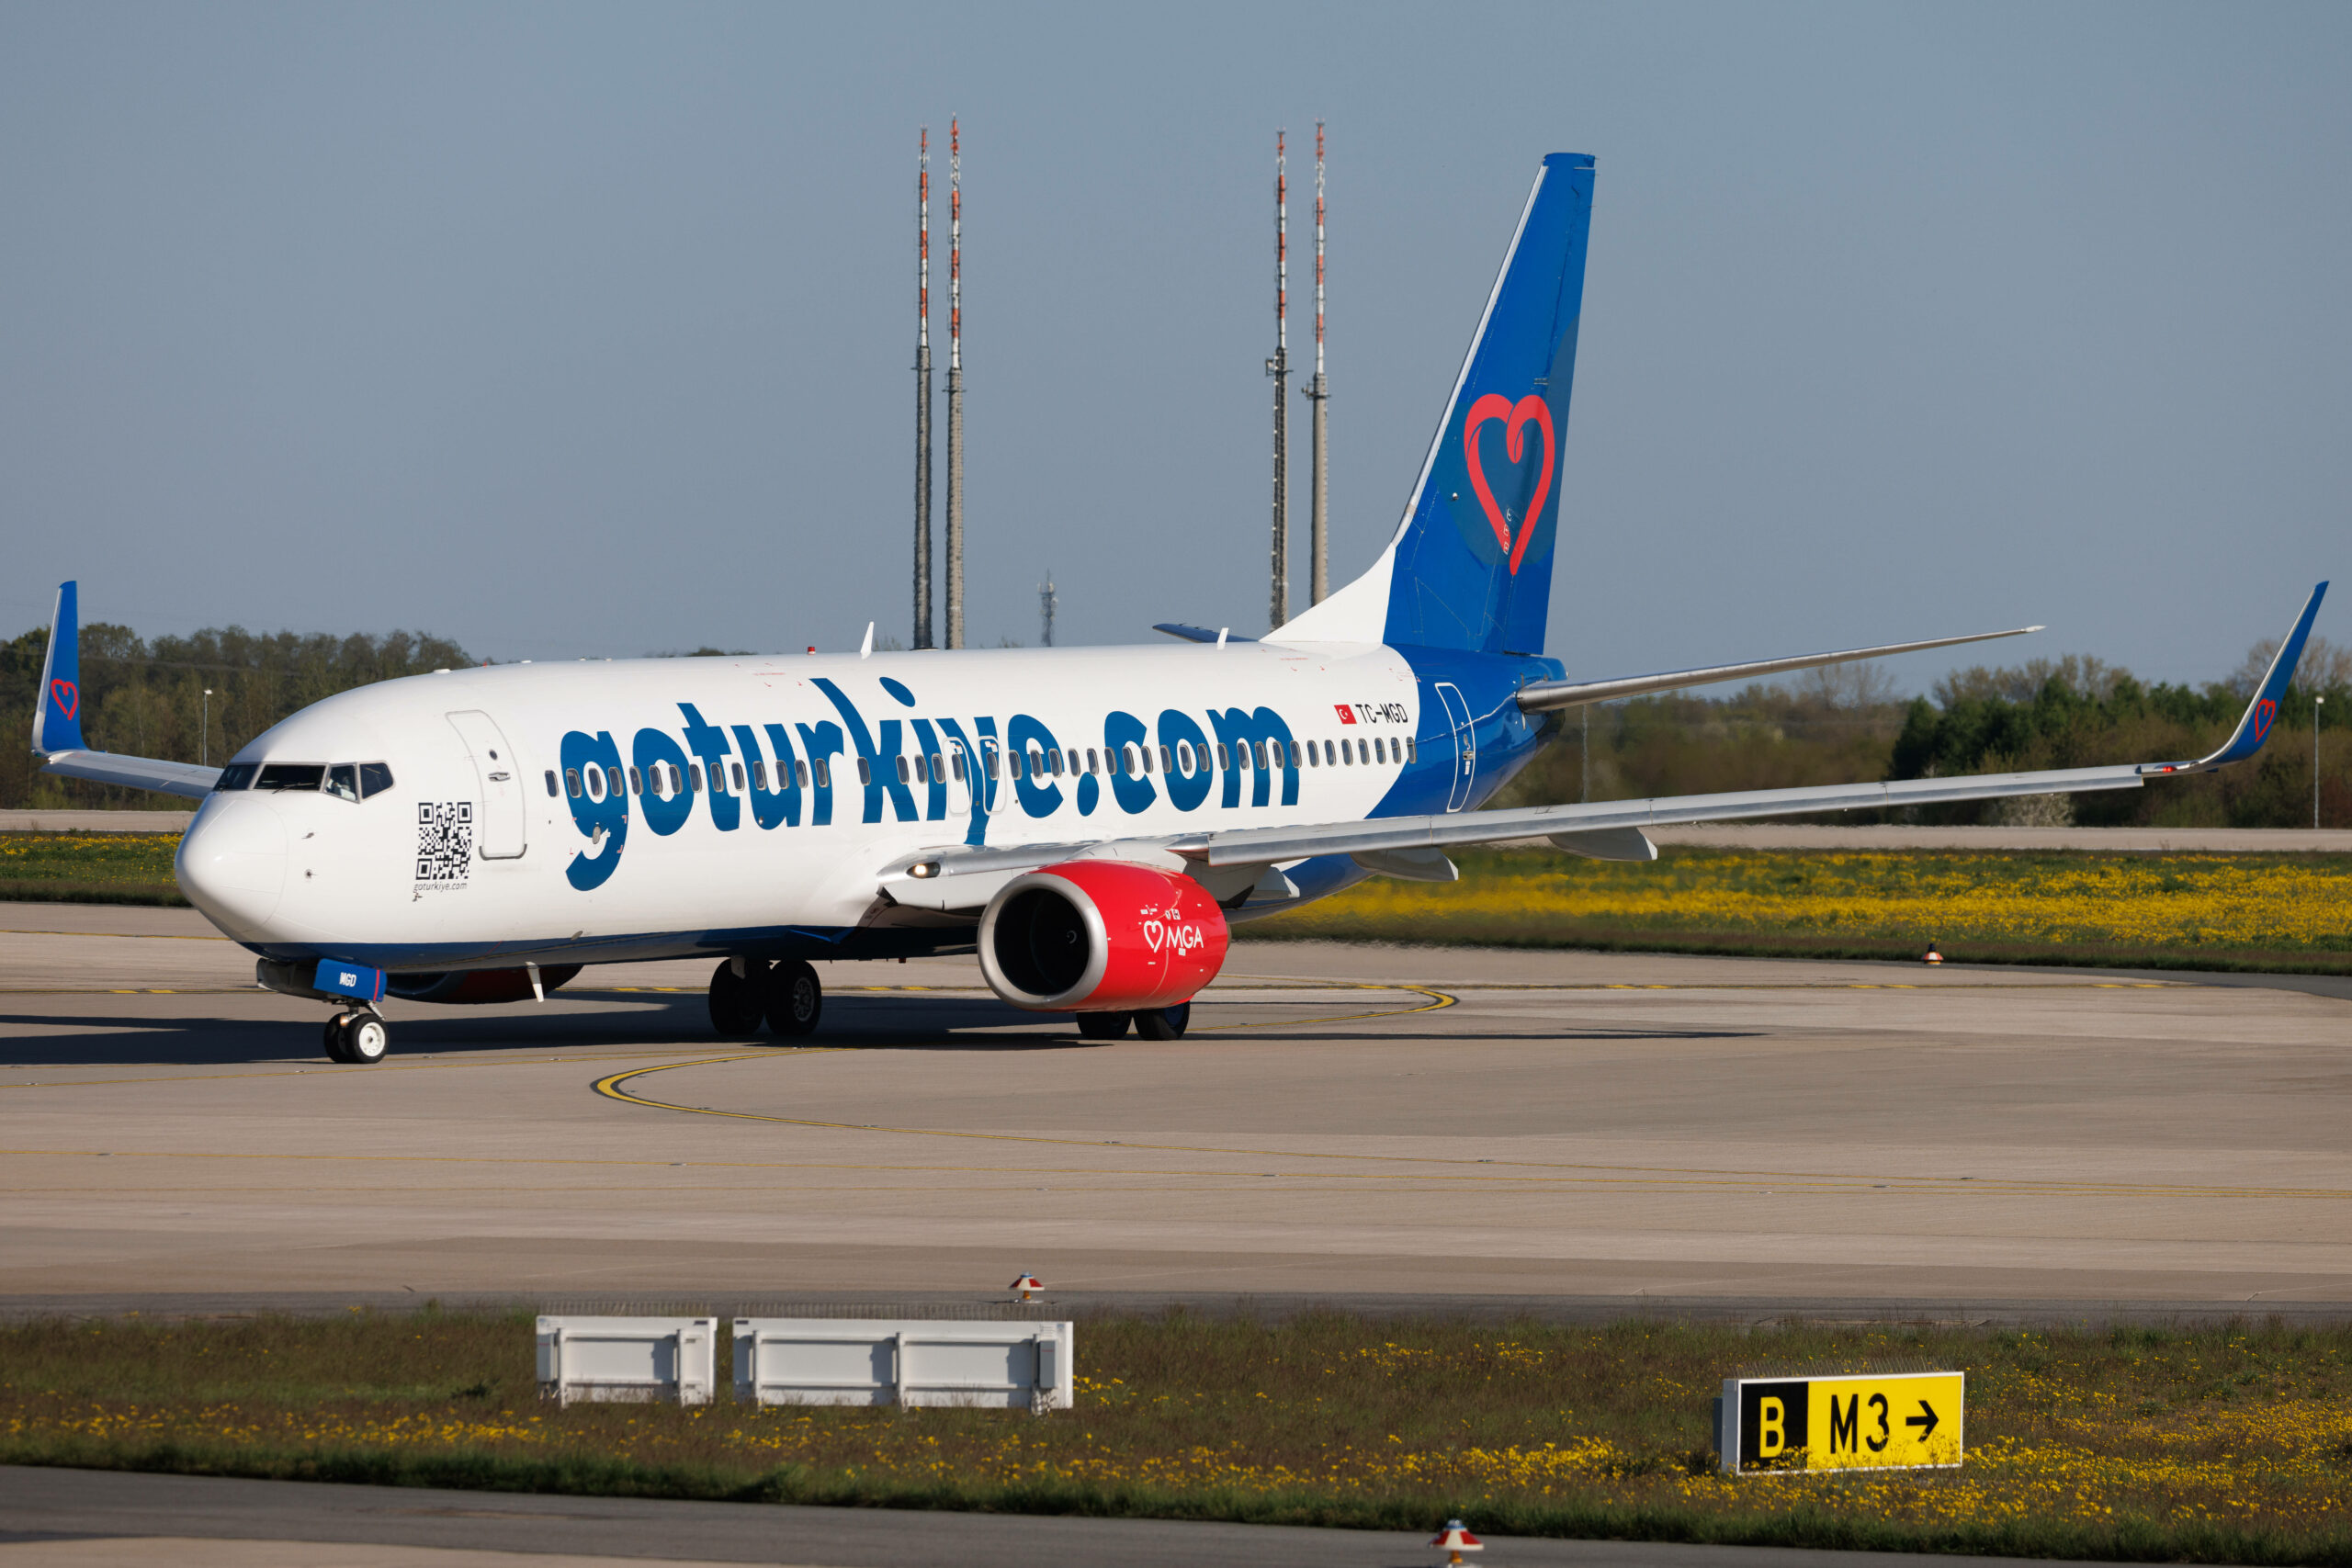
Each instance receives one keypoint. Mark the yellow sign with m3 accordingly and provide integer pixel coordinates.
(1867, 1421)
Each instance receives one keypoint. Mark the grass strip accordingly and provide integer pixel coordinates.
(89, 868)
(2222, 1445)
(2261, 912)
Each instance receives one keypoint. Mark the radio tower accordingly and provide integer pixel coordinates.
(1319, 505)
(954, 383)
(1046, 599)
(922, 396)
(1279, 368)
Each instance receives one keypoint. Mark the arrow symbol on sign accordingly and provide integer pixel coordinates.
(1927, 1418)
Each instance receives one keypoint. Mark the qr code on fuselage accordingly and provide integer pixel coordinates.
(445, 842)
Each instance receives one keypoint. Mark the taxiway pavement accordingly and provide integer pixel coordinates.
(1342, 1121)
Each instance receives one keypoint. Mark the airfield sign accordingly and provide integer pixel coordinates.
(1868, 1421)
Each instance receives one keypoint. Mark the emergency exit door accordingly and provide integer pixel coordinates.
(1465, 744)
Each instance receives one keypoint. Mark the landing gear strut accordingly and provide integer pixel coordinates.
(358, 1039)
(744, 991)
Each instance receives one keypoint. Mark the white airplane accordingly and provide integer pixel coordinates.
(1089, 821)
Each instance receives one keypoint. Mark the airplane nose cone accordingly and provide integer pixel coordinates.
(231, 863)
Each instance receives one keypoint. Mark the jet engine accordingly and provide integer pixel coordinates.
(1100, 936)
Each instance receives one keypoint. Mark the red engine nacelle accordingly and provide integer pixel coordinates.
(478, 987)
(1100, 936)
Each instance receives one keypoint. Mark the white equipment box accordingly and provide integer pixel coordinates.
(651, 1359)
(851, 1361)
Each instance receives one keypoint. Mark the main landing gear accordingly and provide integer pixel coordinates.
(359, 1039)
(744, 991)
(1153, 1023)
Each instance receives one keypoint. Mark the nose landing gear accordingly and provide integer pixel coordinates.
(358, 1039)
(744, 991)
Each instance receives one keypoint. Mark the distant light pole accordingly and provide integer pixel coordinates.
(2316, 702)
(204, 745)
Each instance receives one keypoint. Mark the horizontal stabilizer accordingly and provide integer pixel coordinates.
(1541, 694)
(1183, 633)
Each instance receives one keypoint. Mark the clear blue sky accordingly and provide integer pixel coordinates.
(578, 329)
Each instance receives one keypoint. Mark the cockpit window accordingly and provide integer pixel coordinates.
(375, 778)
(236, 776)
(291, 775)
(343, 781)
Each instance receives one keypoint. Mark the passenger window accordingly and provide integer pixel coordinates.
(1014, 763)
(956, 759)
(240, 775)
(1166, 761)
(1223, 757)
(572, 783)
(635, 782)
(343, 781)
(1412, 748)
(824, 773)
(612, 782)
(864, 771)
(553, 790)
(1092, 766)
(800, 774)
(694, 778)
(938, 768)
(1056, 755)
(738, 768)
(291, 775)
(902, 769)
(987, 754)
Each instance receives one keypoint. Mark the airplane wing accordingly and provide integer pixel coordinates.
(1251, 845)
(134, 773)
(57, 722)
(958, 878)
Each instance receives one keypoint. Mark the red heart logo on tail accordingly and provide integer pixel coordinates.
(67, 696)
(2264, 712)
(1494, 406)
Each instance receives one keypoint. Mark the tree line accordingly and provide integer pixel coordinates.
(1846, 725)
(146, 698)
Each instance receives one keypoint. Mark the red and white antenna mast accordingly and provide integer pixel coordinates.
(1317, 389)
(954, 383)
(922, 396)
(1279, 368)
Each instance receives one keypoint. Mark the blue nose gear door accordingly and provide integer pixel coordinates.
(1466, 745)
(498, 828)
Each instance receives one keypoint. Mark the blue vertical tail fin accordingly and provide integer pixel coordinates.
(57, 716)
(1471, 565)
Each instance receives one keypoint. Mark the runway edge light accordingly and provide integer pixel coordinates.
(1860, 1421)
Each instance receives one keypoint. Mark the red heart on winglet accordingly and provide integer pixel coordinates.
(1493, 406)
(66, 696)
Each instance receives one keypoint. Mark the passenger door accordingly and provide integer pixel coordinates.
(1465, 744)
(498, 831)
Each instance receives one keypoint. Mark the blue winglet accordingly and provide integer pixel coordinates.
(57, 717)
(2254, 727)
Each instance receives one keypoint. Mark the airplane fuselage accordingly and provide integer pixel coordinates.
(669, 807)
